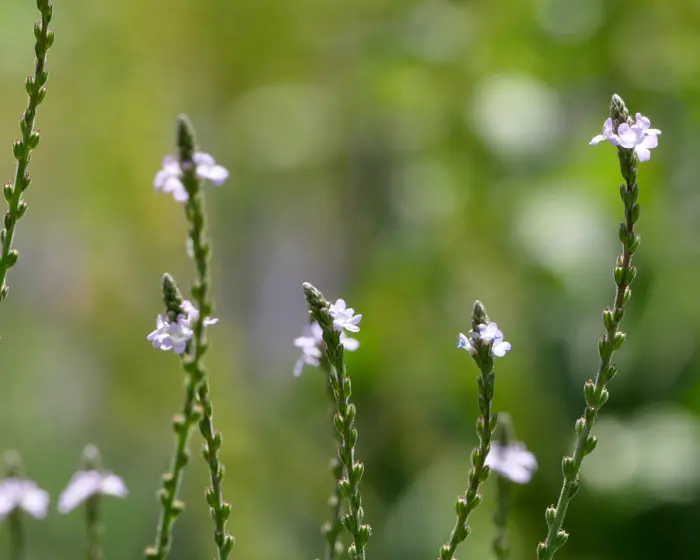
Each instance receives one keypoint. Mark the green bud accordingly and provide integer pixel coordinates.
(550, 514)
(569, 468)
(608, 319)
(590, 444)
(580, 424)
(618, 339)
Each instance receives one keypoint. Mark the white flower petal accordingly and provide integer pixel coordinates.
(36, 502)
(82, 485)
(350, 344)
(113, 485)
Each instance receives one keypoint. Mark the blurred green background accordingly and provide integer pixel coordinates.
(410, 156)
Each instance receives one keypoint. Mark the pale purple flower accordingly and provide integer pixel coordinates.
(491, 335)
(169, 178)
(23, 494)
(173, 335)
(608, 134)
(311, 345)
(344, 317)
(512, 461)
(193, 314)
(637, 136)
(208, 170)
(466, 343)
(85, 484)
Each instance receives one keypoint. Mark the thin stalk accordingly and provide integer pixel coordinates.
(595, 390)
(36, 91)
(17, 551)
(93, 525)
(344, 421)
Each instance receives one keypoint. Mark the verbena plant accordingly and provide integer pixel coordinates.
(182, 325)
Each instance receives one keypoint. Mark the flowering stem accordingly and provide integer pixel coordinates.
(334, 526)
(16, 535)
(344, 422)
(485, 425)
(94, 527)
(36, 91)
(595, 390)
(193, 360)
(182, 426)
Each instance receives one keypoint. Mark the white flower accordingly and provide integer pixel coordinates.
(85, 484)
(638, 136)
(344, 317)
(490, 334)
(169, 178)
(193, 314)
(207, 170)
(173, 335)
(311, 344)
(25, 494)
(465, 343)
(512, 461)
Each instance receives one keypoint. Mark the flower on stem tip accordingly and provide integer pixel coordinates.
(169, 178)
(637, 136)
(311, 344)
(488, 334)
(24, 494)
(512, 461)
(344, 317)
(174, 335)
(85, 484)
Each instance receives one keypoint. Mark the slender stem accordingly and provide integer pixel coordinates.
(501, 547)
(17, 551)
(334, 526)
(344, 421)
(595, 390)
(193, 362)
(171, 506)
(94, 528)
(485, 425)
(36, 91)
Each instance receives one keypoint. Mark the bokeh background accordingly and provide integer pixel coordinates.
(410, 156)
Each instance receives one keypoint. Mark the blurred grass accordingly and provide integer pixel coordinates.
(411, 157)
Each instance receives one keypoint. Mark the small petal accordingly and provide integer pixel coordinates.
(350, 344)
(113, 485)
(499, 350)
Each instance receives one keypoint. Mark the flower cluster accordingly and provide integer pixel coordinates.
(19, 493)
(637, 136)
(488, 334)
(169, 178)
(311, 345)
(174, 335)
(512, 461)
(344, 317)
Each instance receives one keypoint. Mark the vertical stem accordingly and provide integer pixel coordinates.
(193, 362)
(36, 91)
(344, 421)
(17, 551)
(334, 526)
(501, 547)
(94, 528)
(485, 426)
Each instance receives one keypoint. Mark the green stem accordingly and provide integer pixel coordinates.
(193, 362)
(94, 528)
(595, 390)
(171, 506)
(344, 421)
(36, 91)
(485, 425)
(17, 551)
(334, 526)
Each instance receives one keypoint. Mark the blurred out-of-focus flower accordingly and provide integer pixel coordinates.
(85, 484)
(24, 494)
(512, 461)
(169, 178)
(173, 335)
(311, 345)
